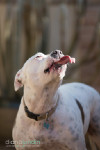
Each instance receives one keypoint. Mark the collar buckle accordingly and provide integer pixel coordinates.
(47, 116)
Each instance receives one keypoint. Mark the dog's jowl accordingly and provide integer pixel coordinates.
(52, 116)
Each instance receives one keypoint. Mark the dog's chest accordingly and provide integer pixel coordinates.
(39, 134)
(48, 139)
(39, 131)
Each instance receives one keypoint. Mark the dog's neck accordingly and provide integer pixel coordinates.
(41, 100)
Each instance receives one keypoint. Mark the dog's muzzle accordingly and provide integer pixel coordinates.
(59, 61)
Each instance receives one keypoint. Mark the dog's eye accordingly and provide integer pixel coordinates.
(38, 56)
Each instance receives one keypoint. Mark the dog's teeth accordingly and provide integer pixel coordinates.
(57, 66)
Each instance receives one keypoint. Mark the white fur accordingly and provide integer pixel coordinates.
(41, 92)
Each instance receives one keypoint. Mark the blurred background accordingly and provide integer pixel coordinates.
(29, 26)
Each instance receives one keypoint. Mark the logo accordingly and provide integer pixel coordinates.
(20, 143)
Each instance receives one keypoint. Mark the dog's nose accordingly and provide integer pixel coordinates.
(56, 54)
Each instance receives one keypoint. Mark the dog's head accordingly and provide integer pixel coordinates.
(40, 70)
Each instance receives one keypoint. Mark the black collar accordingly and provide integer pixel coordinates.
(42, 116)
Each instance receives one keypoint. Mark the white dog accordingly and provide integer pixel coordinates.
(52, 117)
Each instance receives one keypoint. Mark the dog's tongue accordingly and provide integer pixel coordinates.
(64, 60)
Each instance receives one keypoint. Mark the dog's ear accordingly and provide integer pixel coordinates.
(18, 83)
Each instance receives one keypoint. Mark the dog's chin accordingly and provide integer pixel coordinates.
(57, 71)
(61, 71)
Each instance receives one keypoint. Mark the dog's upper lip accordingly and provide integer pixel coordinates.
(58, 63)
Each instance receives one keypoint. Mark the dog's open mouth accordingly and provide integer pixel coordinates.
(58, 63)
